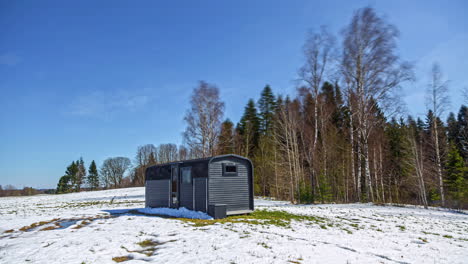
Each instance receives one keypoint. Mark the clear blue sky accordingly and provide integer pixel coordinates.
(99, 78)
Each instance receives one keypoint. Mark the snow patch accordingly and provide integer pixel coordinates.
(179, 213)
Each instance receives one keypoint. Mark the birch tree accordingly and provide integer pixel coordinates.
(204, 120)
(437, 101)
(371, 65)
(319, 52)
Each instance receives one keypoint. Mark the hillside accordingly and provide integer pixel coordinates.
(106, 227)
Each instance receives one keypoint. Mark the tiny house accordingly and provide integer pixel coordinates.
(219, 185)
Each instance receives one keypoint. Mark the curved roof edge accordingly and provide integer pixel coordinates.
(208, 159)
(229, 155)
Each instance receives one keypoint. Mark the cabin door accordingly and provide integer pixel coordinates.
(186, 188)
(175, 186)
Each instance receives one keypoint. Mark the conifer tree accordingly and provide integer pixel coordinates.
(456, 179)
(248, 129)
(72, 173)
(93, 176)
(266, 107)
(64, 185)
(80, 175)
(462, 127)
(226, 138)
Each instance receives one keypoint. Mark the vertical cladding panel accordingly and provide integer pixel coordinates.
(200, 194)
(230, 190)
(157, 193)
(186, 195)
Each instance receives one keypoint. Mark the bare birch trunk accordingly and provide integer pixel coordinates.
(381, 173)
(374, 161)
(439, 163)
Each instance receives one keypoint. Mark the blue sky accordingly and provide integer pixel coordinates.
(99, 78)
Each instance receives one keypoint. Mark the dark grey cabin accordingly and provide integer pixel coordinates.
(219, 185)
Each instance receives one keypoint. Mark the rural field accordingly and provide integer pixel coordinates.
(113, 226)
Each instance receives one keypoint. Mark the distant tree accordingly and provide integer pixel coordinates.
(80, 174)
(319, 52)
(226, 138)
(72, 173)
(146, 156)
(437, 101)
(203, 120)
(167, 153)
(70, 180)
(93, 176)
(249, 129)
(64, 185)
(266, 107)
(373, 72)
(457, 178)
(462, 127)
(183, 153)
(113, 170)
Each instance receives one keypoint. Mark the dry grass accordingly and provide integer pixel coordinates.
(34, 225)
(121, 258)
(84, 223)
(10, 231)
(57, 221)
(51, 227)
(148, 243)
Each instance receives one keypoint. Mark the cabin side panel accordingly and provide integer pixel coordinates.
(157, 193)
(186, 195)
(201, 204)
(232, 190)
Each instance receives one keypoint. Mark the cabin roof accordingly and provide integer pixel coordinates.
(207, 159)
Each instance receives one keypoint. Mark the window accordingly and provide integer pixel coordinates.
(229, 169)
(186, 175)
(174, 180)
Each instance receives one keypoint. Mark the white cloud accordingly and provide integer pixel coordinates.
(10, 59)
(105, 104)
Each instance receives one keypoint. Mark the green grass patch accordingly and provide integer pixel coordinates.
(402, 228)
(447, 236)
(259, 217)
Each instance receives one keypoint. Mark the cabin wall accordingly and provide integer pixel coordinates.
(234, 191)
(157, 193)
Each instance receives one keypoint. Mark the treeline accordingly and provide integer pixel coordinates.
(118, 172)
(10, 190)
(343, 137)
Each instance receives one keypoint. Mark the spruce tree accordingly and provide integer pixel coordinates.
(64, 184)
(452, 128)
(80, 175)
(226, 138)
(456, 179)
(72, 173)
(248, 129)
(93, 176)
(462, 127)
(266, 107)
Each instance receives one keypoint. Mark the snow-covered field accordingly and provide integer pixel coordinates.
(109, 226)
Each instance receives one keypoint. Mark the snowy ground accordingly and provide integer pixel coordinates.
(95, 227)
